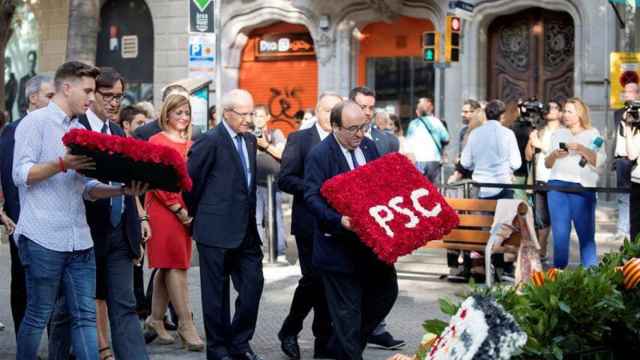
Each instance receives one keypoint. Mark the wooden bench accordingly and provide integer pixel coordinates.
(474, 231)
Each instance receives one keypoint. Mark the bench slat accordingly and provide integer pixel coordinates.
(467, 236)
(476, 220)
(437, 244)
(472, 204)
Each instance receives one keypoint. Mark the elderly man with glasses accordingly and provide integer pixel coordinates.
(222, 164)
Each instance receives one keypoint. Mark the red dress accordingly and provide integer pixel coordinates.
(170, 244)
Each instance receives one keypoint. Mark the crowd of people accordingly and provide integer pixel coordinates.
(78, 245)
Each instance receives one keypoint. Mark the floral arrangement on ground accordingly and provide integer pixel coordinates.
(580, 313)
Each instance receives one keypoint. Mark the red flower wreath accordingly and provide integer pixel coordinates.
(394, 209)
(167, 162)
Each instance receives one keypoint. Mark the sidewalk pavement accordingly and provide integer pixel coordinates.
(419, 282)
(417, 301)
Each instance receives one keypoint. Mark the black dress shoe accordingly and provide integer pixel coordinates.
(249, 355)
(385, 341)
(323, 353)
(289, 346)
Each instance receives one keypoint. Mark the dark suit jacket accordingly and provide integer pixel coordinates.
(291, 178)
(334, 247)
(10, 191)
(224, 207)
(385, 143)
(146, 131)
(99, 213)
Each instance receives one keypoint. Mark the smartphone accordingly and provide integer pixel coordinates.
(563, 146)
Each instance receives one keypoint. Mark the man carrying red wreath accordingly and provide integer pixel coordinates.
(360, 289)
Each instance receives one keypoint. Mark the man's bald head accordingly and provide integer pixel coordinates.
(349, 124)
(237, 107)
(236, 97)
(326, 102)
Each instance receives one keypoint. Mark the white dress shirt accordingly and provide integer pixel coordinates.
(96, 123)
(347, 155)
(492, 153)
(323, 134)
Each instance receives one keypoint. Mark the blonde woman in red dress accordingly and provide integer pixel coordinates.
(169, 248)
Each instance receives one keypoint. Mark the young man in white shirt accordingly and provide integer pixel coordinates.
(492, 153)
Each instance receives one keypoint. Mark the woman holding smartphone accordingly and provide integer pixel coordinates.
(578, 155)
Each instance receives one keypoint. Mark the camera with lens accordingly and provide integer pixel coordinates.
(257, 132)
(533, 111)
(632, 108)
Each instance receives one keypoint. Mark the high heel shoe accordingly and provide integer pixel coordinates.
(189, 336)
(157, 326)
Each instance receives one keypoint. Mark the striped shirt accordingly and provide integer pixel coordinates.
(52, 211)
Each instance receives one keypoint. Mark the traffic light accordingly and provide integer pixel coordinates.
(452, 39)
(431, 46)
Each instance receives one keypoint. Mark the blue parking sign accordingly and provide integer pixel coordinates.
(195, 50)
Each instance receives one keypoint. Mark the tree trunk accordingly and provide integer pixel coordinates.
(7, 9)
(82, 37)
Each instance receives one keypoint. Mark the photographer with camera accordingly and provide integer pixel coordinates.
(575, 162)
(626, 117)
(538, 148)
(270, 145)
(529, 116)
(627, 151)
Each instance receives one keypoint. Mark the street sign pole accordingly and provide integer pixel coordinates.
(217, 21)
(441, 67)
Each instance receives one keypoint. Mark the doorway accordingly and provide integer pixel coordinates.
(125, 42)
(399, 82)
(531, 54)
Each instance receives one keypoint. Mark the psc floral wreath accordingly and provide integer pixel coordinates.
(124, 159)
(394, 209)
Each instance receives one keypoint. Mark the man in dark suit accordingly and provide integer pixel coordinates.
(366, 99)
(222, 164)
(360, 289)
(310, 293)
(38, 91)
(116, 232)
(385, 143)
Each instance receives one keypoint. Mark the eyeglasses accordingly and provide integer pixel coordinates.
(109, 97)
(355, 128)
(244, 115)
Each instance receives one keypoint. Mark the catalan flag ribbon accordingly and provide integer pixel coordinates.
(539, 277)
(631, 273)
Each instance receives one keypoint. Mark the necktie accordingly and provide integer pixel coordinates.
(116, 207)
(243, 160)
(354, 161)
(104, 128)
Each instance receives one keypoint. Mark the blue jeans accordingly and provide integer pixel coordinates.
(51, 272)
(126, 333)
(579, 208)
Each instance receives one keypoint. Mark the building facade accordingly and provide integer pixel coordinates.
(510, 49)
